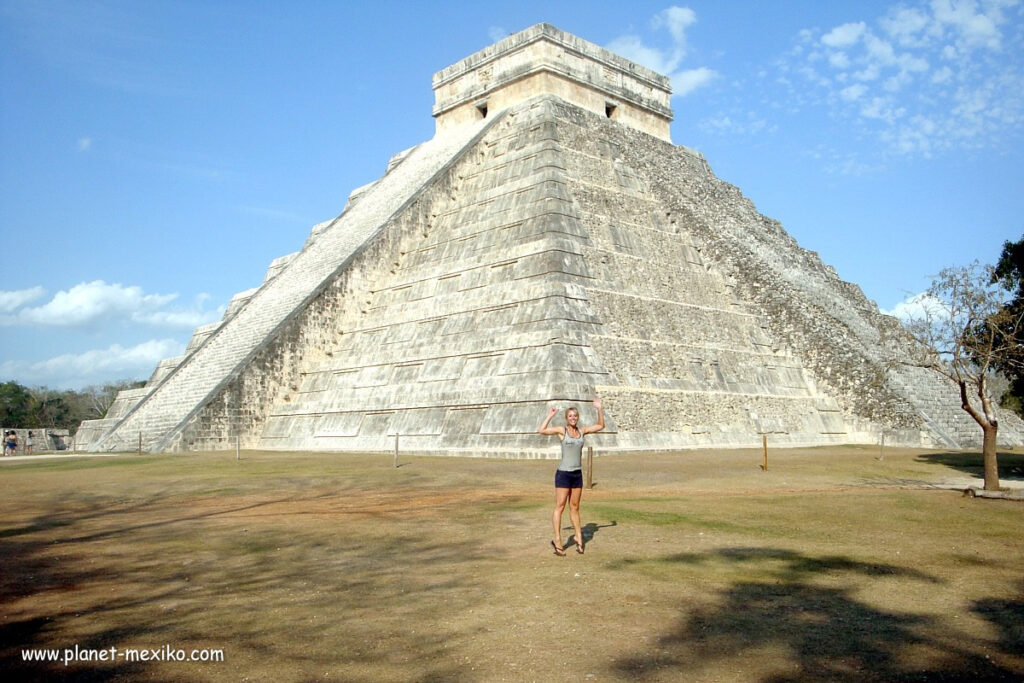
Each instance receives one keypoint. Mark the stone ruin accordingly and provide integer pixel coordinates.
(547, 245)
(44, 439)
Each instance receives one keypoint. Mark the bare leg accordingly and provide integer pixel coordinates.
(574, 515)
(561, 496)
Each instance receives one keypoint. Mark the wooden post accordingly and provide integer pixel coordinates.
(881, 448)
(140, 443)
(396, 449)
(764, 445)
(238, 453)
(590, 467)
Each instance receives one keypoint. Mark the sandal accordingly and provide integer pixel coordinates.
(558, 551)
(579, 548)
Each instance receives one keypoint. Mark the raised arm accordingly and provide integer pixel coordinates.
(599, 425)
(545, 426)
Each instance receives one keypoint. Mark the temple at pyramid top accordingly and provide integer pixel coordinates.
(545, 60)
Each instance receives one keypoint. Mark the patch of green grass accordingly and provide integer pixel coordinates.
(523, 505)
(226, 490)
(621, 514)
(255, 544)
(76, 464)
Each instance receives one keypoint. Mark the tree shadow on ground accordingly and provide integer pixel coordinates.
(815, 631)
(1011, 465)
(1007, 615)
(97, 575)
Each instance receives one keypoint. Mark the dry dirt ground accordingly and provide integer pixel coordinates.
(835, 564)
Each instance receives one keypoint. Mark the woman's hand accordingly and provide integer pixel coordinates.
(545, 426)
(599, 425)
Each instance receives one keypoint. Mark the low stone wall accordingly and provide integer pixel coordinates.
(43, 440)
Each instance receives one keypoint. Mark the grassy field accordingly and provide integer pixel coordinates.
(835, 563)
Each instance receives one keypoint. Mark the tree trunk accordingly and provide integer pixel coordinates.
(988, 452)
(990, 428)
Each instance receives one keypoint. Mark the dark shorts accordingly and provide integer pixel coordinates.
(568, 480)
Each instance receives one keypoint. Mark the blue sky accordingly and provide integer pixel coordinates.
(156, 156)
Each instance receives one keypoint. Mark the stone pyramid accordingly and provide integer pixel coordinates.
(549, 244)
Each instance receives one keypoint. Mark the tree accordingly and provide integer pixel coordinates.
(97, 399)
(15, 405)
(101, 398)
(47, 408)
(1009, 272)
(56, 409)
(966, 332)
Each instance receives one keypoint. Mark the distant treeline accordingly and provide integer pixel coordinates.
(42, 408)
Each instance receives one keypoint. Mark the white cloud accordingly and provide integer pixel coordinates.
(184, 319)
(918, 307)
(973, 28)
(84, 144)
(96, 303)
(845, 35)
(881, 108)
(839, 60)
(97, 366)
(726, 125)
(910, 63)
(496, 33)
(871, 72)
(850, 166)
(878, 51)
(943, 75)
(938, 61)
(685, 82)
(677, 20)
(634, 49)
(905, 25)
(853, 92)
(11, 301)
(667, 61)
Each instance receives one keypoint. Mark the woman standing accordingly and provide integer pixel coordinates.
(569, 475)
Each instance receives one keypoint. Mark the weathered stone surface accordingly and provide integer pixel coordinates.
(543, 252)
(44, 440)
(543, 60)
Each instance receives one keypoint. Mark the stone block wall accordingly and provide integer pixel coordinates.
(847, 349)
(542, 60)
(220, 359)
(44, 440)
(473, 327)
(551, 256)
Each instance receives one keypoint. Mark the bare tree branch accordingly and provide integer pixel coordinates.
(964, 331)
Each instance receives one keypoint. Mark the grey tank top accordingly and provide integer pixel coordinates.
(572, 452)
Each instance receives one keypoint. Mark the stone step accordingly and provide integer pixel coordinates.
(186, 389)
